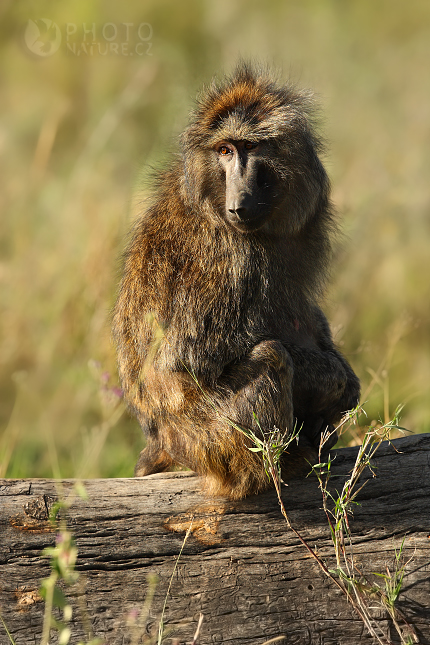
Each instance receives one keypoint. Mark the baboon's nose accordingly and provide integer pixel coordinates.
(240, 211)
(238, 204)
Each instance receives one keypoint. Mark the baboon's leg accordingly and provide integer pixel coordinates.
(312, 430)
(152, 459)
(254, 394)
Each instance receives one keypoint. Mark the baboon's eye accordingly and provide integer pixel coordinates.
(224, 150)
(249, 145)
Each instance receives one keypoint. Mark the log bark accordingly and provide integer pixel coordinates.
(241, 567)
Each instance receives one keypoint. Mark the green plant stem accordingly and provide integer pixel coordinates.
(48, 608)
(7, 631)
(321, 564)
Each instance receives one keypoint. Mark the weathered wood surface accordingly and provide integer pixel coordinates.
(241, 566)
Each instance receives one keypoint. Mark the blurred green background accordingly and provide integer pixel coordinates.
(94, 95)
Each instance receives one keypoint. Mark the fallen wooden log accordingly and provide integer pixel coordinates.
(241, 567)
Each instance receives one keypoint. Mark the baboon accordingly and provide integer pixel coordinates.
(230, 260)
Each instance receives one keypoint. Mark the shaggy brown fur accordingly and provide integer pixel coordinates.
(231, 261)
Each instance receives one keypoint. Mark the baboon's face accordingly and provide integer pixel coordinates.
(250, 185)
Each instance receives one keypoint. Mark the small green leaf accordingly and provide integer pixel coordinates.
(59, 599)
